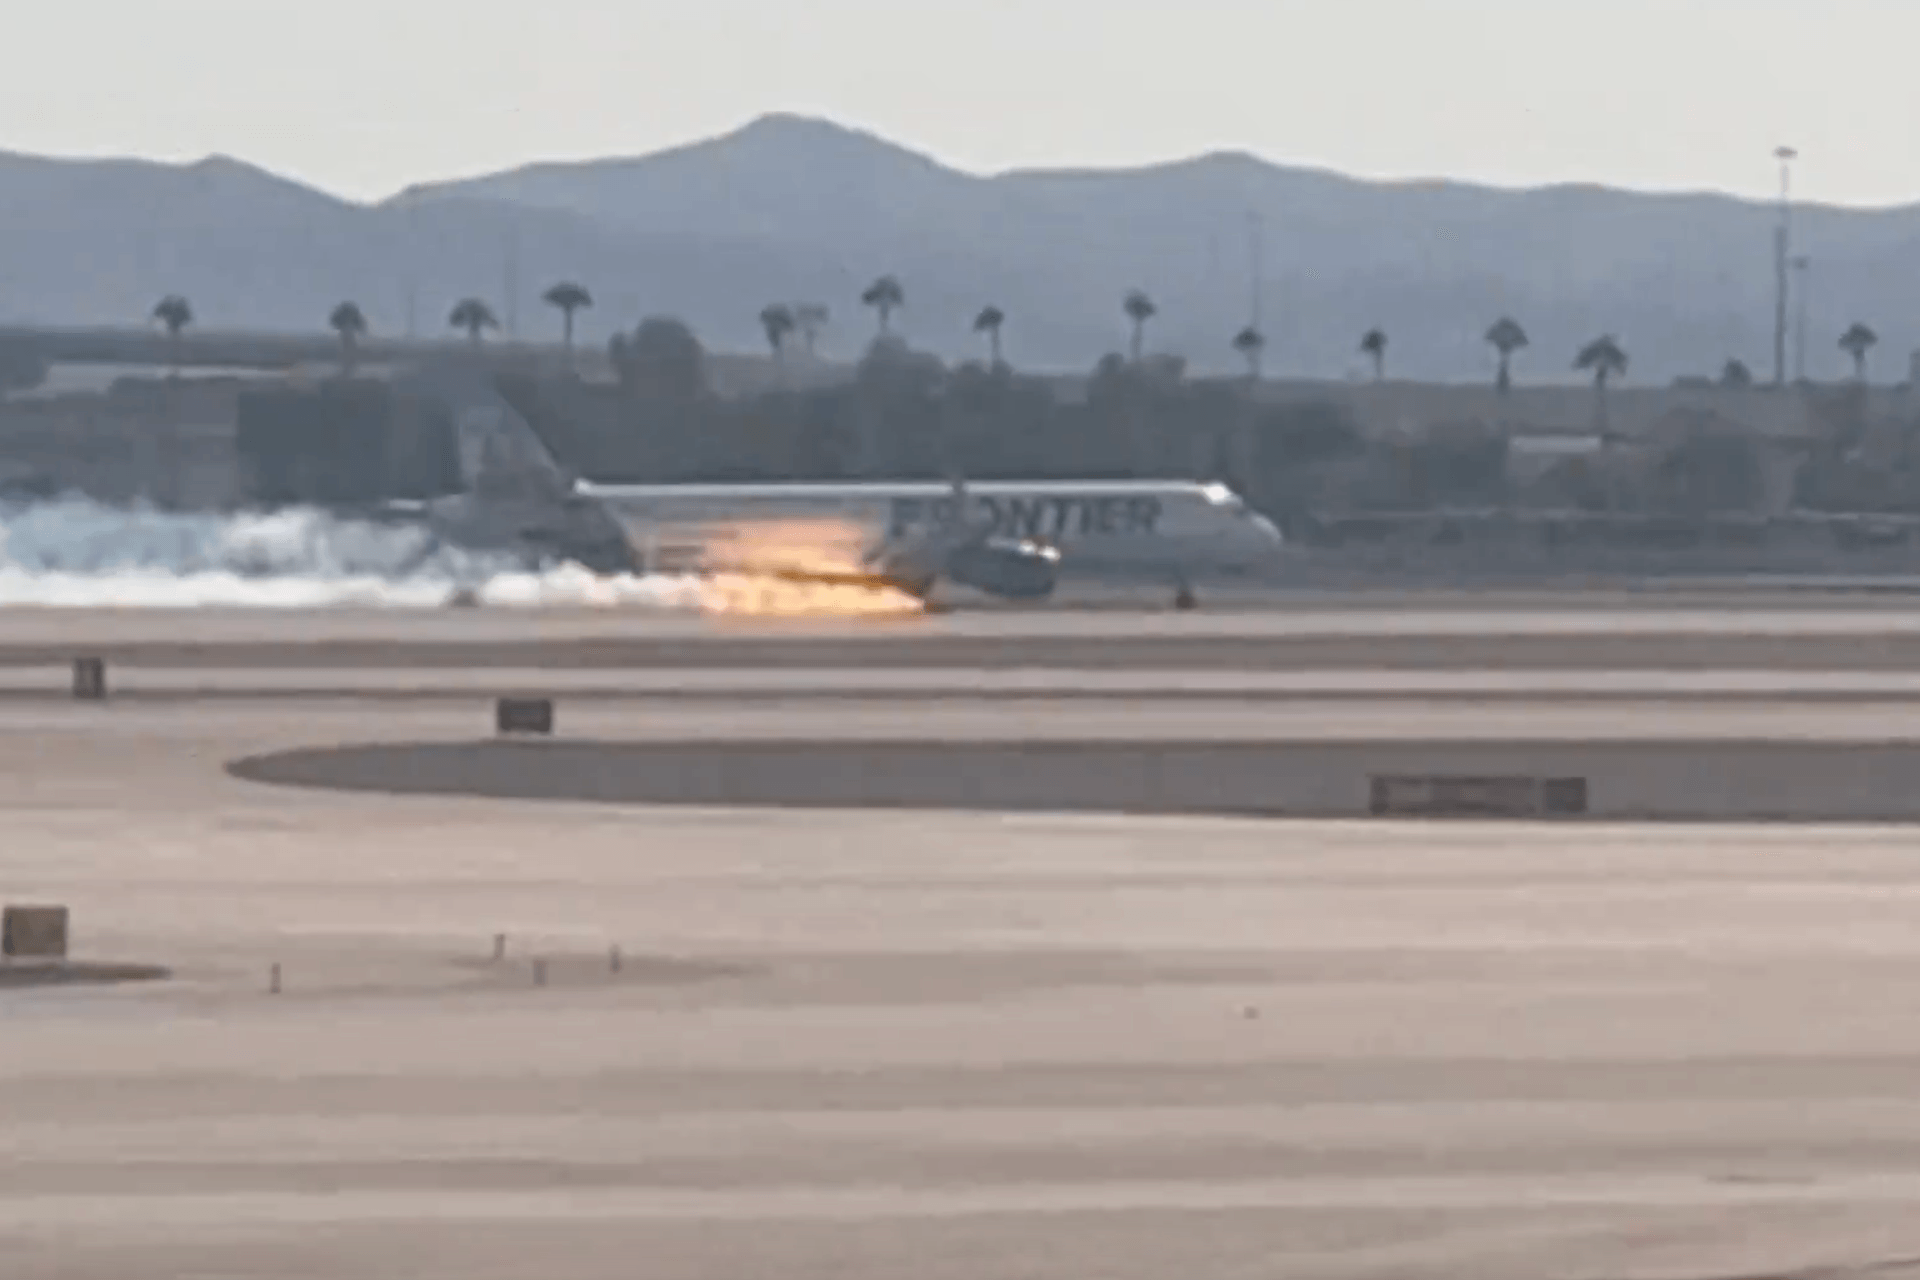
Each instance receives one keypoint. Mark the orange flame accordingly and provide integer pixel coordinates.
(765, 596)
(761, 570)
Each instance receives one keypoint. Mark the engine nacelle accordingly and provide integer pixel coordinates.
(1011, 568)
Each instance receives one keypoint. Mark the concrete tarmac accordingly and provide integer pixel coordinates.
(347, 717)
(953, 1045)
(783, 685)
(1569, 614)
(1545, 635)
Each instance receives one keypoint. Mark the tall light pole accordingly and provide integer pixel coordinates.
(1256, 277)
(1800, 264)
(1256, 267)
(410, 254)
(511, 284)
(1782, 250)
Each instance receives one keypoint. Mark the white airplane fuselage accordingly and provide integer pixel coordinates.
(1163, 529)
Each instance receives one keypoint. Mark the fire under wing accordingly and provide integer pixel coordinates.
(914, 572)
(970, 552)
(811, 539)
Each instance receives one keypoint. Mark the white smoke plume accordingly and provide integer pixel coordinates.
(77, 553)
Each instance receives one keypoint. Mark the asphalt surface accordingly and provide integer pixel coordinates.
(864, 1044)
(1421, 634)
(776, 688)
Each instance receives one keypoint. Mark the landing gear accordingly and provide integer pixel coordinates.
(1184, 599)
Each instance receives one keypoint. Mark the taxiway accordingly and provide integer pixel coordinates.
(947, 1043)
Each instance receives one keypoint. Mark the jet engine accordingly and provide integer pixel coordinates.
(1013, 568)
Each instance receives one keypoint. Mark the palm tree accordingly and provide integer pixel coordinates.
(885, 296)
(1506, 337)
(810, 318)
(473, 315)
(1604, 359)
(1374, 346)
(990, 321)
(1140, 309)
(566, 297)
(1250, 343)
(777, 322)
(175, 313)
(350, 323)
(1857, 341)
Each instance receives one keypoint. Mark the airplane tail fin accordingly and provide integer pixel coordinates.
(498, 452)
(513, 488)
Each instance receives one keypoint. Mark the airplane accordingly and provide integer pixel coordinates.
(1007, 539)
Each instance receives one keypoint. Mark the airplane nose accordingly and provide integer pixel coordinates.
(1253, 541)
(1265, 538)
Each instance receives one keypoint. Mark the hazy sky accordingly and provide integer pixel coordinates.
(364, 96)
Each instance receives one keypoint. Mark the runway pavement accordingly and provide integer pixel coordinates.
(776, 689)
(941, 1043)
(1420, 633)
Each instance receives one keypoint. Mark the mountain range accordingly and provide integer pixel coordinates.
(795, 209)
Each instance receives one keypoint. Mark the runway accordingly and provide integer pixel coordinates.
(775, 689)
(942, 1042)
(1460, 632)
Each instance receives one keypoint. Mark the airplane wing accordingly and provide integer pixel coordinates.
(811, 553)
(910, 561)
(850, 578)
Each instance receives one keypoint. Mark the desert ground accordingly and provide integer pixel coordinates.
(947, 1041)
